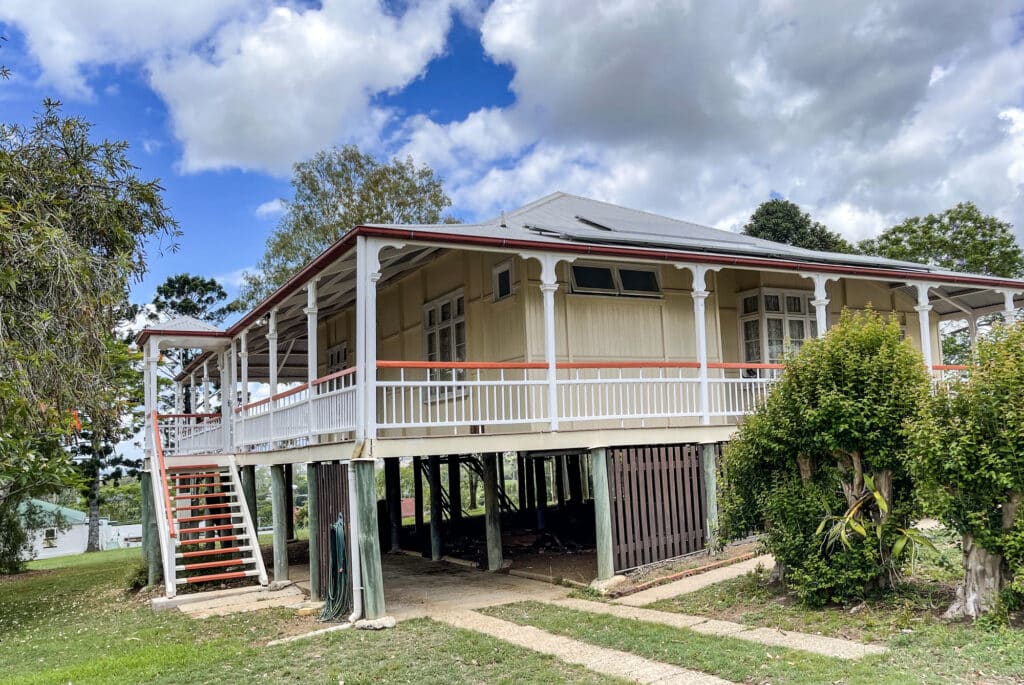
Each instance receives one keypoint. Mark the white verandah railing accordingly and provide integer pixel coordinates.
(453, 397)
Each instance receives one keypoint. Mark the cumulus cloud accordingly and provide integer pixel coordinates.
(863, 113)
(69, 38)
(267, 91)
(270, 208)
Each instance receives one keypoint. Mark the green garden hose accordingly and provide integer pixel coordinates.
(339, 587)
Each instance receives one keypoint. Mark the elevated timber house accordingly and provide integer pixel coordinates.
(585, 362)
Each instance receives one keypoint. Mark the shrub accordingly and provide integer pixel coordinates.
(830, 440)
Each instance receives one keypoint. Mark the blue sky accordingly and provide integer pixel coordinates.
(863, 114)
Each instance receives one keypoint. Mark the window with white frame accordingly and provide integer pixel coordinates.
(770, 319)
(501, 280)
(337, 358)
(444, 333)
(605, 279)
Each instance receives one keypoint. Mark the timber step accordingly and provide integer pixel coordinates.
(210, 552)
(184, 476)
(210, 517)
(195, 507)
(217, 576)
(194, 467)
(213, 540)
(204, 529)
(224, 563)
(203, 495)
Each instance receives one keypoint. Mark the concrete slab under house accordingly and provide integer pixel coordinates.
(582, 363)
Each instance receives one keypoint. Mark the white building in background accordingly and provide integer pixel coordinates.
(66, 531)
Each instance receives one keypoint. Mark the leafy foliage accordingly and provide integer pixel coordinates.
(335, 191)
(783, 221)
(74, 221)
(959, 239)
(968, 453)
(190, 295)
(832, 425)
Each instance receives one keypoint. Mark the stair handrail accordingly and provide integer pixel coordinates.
(159, 446)
(250, 528)
(165, 524)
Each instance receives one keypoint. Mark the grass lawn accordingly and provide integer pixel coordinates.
(69, 620)
(922, 647)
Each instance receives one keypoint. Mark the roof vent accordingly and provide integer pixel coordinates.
(593, 224)
(503, 224)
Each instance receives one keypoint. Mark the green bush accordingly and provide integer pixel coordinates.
(830, 440)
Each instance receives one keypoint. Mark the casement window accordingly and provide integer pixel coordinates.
(501, 280)
(337, 358)
(770, 319)
(602, 279)
(444, 333)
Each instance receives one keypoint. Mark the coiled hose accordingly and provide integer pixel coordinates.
(339, 588)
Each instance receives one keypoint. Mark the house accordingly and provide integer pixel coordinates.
(596, 355)
(66, 531)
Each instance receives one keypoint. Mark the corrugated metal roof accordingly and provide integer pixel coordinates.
(562, 218)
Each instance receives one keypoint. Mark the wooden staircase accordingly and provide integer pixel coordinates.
(210, 531)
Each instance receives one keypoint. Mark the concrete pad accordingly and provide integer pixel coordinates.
(773, 637)
(695, 582)
(598, 659)
(416, 587)
(243, 602)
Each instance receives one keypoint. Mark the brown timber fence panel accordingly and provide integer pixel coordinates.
(658, 503)
(332, 499)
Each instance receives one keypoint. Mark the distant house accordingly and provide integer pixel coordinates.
(66, 531)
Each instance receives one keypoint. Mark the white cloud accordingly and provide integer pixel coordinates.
(233, 280)
(271, 208)
(861, 113)
(264, 92)
(69, 38)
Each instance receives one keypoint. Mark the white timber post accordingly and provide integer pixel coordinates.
(362, 373)
(154, 379)
(923, 310)
(548, 288)
(206, 386)
(193, 393)
(147, 402)
(1008, 308)
(271, 368)
(311, 349)
(226, 401)
(373, 275)
(243, 356)
(700, 293)
(821, 300)
(179, 398)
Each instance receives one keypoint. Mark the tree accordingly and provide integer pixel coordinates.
(829, 443)
(187, 295)
(335, 191)
(74, 222)
(783, 221)
(959, 239)
(111, 416)
(968, 461)
(190, 295)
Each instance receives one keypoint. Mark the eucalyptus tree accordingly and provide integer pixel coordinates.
(334, 191)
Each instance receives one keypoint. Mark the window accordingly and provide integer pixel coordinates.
(444, 333)
(771, 320)
(50, 538)
(615, 280)
(502, 281)
(337, 358)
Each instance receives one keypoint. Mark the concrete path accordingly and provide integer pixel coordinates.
(599, 659)
(694, 583)
(289, 596)
(827, 646)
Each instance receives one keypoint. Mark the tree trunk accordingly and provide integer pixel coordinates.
(93, 544)
(984, 577)
(473, 483)
(778, 574)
